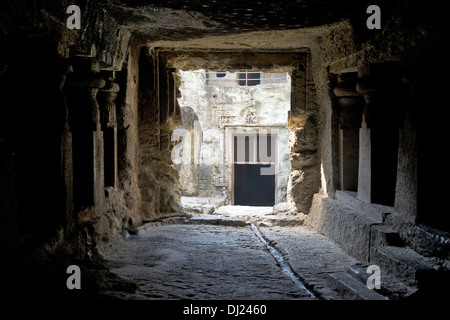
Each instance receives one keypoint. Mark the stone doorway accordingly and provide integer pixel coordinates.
(254, 174)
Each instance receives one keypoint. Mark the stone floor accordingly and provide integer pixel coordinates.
(219, 256)
(202, 262)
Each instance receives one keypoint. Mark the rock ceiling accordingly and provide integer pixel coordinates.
(177, 20)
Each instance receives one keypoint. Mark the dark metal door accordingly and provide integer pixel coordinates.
(254, 169)
(251, 188)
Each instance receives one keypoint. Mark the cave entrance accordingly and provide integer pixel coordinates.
(254, 169)
(233, 146)
(202, 98)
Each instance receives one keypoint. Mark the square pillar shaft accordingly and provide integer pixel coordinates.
(364, 169)
(349, 159)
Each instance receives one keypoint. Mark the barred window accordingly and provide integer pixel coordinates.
(221, 74)
(245, 78)
(249, 78)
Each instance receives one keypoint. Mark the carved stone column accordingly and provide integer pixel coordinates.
(88, 148)
(406, 185)
(66, 145)
(379, 83)
(107, 97)
(351, 105)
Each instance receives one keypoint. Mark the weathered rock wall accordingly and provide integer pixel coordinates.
(157, 179)
(409, 41)
(122, 202)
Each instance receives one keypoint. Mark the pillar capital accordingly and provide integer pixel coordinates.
(107, 96)
(350, 100)
(110, 86)
(381, 86)
(90, 87)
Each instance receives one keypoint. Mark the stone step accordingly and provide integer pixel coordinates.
(390, 286)
(428, 241)
(406, 265)
(202, 205)
(242, 221)
(382, 235)
(350, 288)
(218, 220)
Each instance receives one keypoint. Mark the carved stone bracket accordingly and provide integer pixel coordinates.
(380, 84)
(350, 100)
(372, 97)
(108, 95)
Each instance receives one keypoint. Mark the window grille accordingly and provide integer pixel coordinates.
(244, 78)
(249, 78)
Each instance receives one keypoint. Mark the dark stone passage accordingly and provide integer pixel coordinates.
(199, 261)
(127, 125)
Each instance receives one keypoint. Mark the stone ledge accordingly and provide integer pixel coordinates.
(373, 211)
(349, 221)
(203, 205)
(352, 289)
(217, 220)
(242, 221)
(383, 235)
(425, 240)
(391, 287)
(407, 265)
(346, 226)
(157, 223)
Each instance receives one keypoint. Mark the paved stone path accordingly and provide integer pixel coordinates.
(198, 261)
(202, 262)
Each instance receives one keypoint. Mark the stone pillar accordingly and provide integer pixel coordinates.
(364, 163)
(406, 185)
(379, 83)
(192, 140)
(88, 148)
(107, 96)
(304, 180)
(298, 93)
(9, 226)
(365, 142)
(351, 105)
(66, 147)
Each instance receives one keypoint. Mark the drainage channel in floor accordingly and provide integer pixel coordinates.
(285, 267)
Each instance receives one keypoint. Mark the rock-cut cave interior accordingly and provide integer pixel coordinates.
(189, 129)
